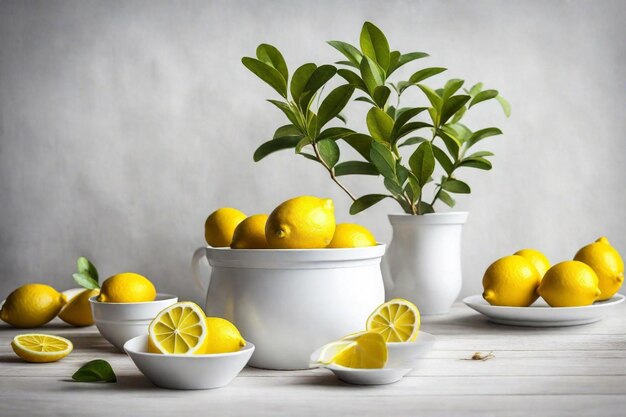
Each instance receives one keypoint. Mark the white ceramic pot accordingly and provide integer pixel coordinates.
(423, 262)
(289, 302)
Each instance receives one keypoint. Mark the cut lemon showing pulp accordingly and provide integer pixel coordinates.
(34, 347)
(180, 328)
(397, 320)
(365, 351)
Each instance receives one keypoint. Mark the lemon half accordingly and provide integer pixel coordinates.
(39, 348)
(397, 320)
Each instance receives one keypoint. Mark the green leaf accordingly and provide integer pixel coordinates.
(342, 118)
(482, 134)
(414, 187)
(360, 143)
(287, 110)
(349, 51)
(84, 266)
(403, 116)
(319, 78)
(355, 168)
(333, 104)
(456, 186)
(443, 160)
(402, 174)
(476, 88)
(309, 156)
(335, 133)
(272, 57)
(85, 281)
(379, 124)
(451, 87)
(366, 100)
(424, 208)
(405, 59)
(446, 198)
(476, 162)
(422, 74)
(300, 79)
(274, 145)
(432, 96)
(411, 127)
(480, 154)
(365, 202)
(483, 96)
(287, 130)
(458, 115)
(352, 78)
(268, 74)
(348, 63)
(305, 141)
(381, 94)
(329, 151)
(413, 141)
(97, 370)
(394, 59)
(382, 157)
(372, 74)
(374, 45)
(506, 107)
(451, 106)
(422, 163)
(393, 186)
(391, 111)
(452, 144)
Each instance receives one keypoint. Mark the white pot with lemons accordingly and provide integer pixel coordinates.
(292, 284)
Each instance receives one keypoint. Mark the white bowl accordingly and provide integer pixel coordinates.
(187, 371)
(119, 322)
(407, 354)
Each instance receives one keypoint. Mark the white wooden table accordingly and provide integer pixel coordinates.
(575, 371)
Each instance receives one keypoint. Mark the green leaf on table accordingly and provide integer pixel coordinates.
(317, 80)
(84, 266)
(334, 102)
(451, 106)
(329, 151)
(299, 80)
(287, 130)
(384, 160)
(365, 202)
(272, 57)
(415, 140)
(97, 370)
(355, 168)
(422, 163)
(425, 73)
(506, 107)
(482, 134)
(456, 186)
(483, 96)
(349, 51)
(85, 281)
(379, 124)
(274, 145)
(267, 73)
(381, 94)
(352, 78)
(443, 160)
(374, 45)
(372, 74)
(446, 198)
(360, 143)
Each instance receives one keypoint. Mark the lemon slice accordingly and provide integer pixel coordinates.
(398, 320)
(180, 328)
(366, 351)
(35, 347)
(331, 350)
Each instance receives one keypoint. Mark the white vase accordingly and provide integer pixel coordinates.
(423, 260)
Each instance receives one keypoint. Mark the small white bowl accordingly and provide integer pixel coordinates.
(187, 371)
(120, 322)
(407, 354)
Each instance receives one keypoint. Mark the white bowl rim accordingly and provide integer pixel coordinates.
(470, 300)
(248, 347)
(316, 250)
(160, 297)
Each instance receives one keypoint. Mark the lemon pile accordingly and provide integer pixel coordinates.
(596, 273)
(396, 321)
(303, 222)
(183, 329)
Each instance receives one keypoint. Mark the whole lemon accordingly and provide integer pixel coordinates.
(220, 226)
(348, 235)
(607, 263)
(32, 305)
(222, 336)
(511, 281)
(250, 233)
(127, 287)
(301, 223)
(569, 284)
(536, 258)
(77, 311)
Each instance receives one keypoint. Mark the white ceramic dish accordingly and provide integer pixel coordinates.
(402, 358)
(119, 322)
(187, 372)
(541, 315)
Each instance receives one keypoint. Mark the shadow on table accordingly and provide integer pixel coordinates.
(126, 383)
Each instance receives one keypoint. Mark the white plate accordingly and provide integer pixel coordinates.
(541, 314)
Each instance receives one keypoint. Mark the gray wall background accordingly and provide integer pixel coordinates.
(123, 124)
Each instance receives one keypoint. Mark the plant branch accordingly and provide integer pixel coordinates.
(331, 171)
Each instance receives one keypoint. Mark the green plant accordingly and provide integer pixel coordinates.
(390, 126)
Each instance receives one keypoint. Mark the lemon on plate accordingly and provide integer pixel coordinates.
(32, 305)
(538, 259)
(397, 320)
(250, 233)
(39, 348)
(127, 287)
(511, 281)
(303, 222)
(220, 226)
(606, 262)
(569, 284)
(349, 235)
(222, 336)
(180, 328)
(365, 351)
(77, 311)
